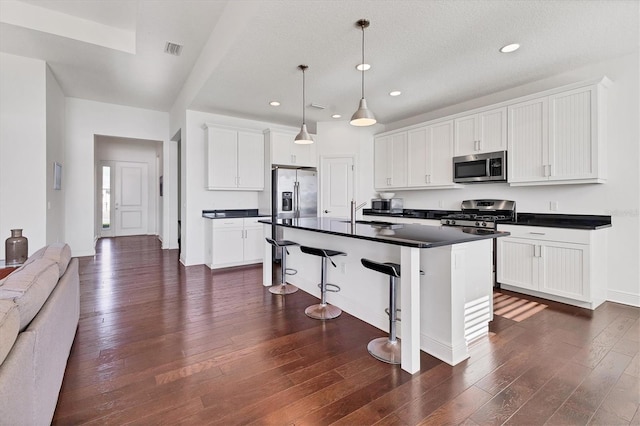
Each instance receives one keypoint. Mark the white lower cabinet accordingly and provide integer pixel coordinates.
(233, 242)
(565, 265)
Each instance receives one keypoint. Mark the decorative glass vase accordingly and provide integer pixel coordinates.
(16, 248)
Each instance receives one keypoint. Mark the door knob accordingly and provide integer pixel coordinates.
(327, 211)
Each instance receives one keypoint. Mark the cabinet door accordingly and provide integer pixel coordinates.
(492, 130)
(572, 148)
(440, 154)
(285, 152)
(565, 270)
(381, 177)
(418, 142)
(303, 155)
(227, 246)
(466, 135)
(253, 244)
(222, 158)
(398, 158)
(528, 141)
(517, 262)
(250, 161)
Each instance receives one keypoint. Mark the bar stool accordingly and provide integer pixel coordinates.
(386, 349)
(284, 287)
(323, 311)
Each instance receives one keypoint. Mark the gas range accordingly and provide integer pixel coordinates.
(482, 214)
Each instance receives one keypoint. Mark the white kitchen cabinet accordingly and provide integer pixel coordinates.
(285, 152)
(235, 159)
(430, 150)
(485, 131)
(233, 242)
(390, 161)
(565, 265)
(558, 139)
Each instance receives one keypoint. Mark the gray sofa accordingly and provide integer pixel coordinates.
(39, 313)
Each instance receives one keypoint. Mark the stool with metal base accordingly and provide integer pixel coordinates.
(284, 287)
(387, 349)
(323, 311)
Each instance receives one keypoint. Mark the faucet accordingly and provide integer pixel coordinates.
(354, 209)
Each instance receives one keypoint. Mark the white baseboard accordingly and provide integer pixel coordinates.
(623, 297)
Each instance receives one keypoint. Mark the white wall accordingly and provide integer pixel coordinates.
(55, 154)
(619, 197)
(139, 151)
(84, 119)
(195, 197)
(23, 153)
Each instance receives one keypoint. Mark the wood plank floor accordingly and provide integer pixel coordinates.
(160, 343)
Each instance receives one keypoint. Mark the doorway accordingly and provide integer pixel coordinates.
(337, 185)
(124, 198)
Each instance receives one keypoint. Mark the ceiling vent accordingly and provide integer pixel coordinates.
(173, 48)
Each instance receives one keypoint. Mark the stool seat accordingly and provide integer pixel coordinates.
(322, 310)
(284, 287)
(387, 268)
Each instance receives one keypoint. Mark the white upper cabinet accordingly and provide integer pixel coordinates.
(235, 159)
(481, 132)
(558, 138)
(285, 152)
(430, 150)
(390, 161)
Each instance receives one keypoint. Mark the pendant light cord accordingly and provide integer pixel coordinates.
(363, 61)
(303, 98)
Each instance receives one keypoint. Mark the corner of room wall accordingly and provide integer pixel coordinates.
(55, 154)
(23, 149)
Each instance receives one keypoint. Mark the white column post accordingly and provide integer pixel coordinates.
(410, 306)
(267, 262)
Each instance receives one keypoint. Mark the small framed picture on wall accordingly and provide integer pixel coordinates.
(57, 176)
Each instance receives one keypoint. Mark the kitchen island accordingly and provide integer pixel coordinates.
(441, 311)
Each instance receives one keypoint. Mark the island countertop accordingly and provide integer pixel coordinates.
(410, 235)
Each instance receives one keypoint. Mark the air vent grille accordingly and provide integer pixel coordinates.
(173, 48)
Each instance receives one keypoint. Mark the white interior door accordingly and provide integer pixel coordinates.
(337, 186)
(131, 198)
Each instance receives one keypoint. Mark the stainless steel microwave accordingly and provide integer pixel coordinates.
(389, 205)
(475, 168)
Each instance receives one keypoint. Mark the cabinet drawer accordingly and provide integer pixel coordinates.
(228, 223)
(252, 222)
(576, 236)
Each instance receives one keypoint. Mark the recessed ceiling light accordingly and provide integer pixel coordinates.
(336, 116)
(363, 67)
(510, 48)
(274, 103)
(395, 93)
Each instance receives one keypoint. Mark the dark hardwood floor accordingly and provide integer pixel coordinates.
(160, 343)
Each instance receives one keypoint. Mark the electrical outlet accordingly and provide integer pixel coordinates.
(553, 206)
(440, 203)
(343, 268)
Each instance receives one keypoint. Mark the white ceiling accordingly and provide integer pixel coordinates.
(437, 52)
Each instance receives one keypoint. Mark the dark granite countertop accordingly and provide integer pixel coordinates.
(420, 236)
(569, 221)
(556, 220)
(414, 213)
(225, 214)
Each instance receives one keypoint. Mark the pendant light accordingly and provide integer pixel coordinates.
(363, 116)
(303, 138)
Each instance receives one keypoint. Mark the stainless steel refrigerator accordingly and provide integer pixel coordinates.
(294, 194)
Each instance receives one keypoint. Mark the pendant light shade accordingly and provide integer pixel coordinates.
(363, 116)
(303, 138)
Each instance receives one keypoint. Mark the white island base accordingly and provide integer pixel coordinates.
(441, 311)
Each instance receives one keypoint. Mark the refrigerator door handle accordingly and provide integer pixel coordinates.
(296, 199)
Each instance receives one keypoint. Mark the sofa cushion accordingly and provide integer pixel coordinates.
(29, 287)
(58, 252)
(9, 327)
